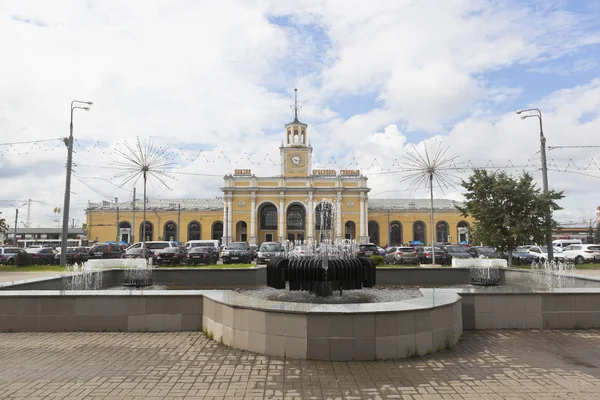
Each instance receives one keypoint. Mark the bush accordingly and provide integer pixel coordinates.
(23, 259)
(378, 260)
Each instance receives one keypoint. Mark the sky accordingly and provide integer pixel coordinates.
(213, 82)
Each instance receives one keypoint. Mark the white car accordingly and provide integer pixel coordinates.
(542, 253)
(301, 251)
(580, 253)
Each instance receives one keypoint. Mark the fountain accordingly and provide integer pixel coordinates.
(88, 276)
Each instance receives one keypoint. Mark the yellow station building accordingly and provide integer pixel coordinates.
(292, 205)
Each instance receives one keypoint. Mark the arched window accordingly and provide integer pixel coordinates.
(374, 232)
(241, 231)
(441, 231)
(149, 231)
(462, 233)
(124, 225)
(170, 231)
(268, 217)
(217, 231)
(419, 231)
(350, 230)
(395, 233)
(324, 216)
(296, 217)
(194, 230)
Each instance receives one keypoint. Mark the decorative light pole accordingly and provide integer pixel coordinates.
(75, 105)
(144, 161)
(430, 165)
(535, 112)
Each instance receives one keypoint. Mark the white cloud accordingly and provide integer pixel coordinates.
(210, 76)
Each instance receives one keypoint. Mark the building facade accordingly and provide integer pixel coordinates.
(300, 203)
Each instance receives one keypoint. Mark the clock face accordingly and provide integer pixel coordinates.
(296, 160)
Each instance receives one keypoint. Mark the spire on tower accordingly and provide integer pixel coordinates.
(296, 106)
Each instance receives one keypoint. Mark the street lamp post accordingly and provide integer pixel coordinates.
(17, 220)
(75, 104)
(535, 112)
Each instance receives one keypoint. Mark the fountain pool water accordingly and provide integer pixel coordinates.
(88, 276)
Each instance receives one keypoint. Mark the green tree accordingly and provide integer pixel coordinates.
(597, 233)
(508, 211)
(3, 226)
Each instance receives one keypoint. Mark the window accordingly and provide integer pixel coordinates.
(350, 230)
(170, 231)
(268, 217)
(395, 233)
(295, 217)
(194, 230)
(374, 232)
(217, 231)
(419, 231)
(149, 230)
(324, 216)
(441, 232)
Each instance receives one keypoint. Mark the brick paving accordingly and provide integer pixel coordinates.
(185, 365)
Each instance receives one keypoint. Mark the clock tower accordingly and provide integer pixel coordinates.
(295, 151)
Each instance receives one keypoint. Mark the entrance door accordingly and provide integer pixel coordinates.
(125, 237)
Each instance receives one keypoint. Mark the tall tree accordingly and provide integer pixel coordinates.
(3, 226)
(597, 233)
(508, 211)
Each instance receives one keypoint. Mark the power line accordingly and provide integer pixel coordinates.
(30, 141)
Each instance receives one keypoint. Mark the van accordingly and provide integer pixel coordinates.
(214, 244)
(153, 246)
(562, 243)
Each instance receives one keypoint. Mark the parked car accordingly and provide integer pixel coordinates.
(103, 251)
(300, 251)
(425, 256)
(201, 255)
(455, 251)
(267, 251)
(10, 255)
(238, 252)
(170, 256)
(582, 253)
(542, 253)
(521, 256)
(483, 252)
(77, 255)
(253, 251)
(401, 255)
(138, 253)
(367, 250)
(41, 255)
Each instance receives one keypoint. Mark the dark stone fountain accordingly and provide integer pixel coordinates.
(321, 277)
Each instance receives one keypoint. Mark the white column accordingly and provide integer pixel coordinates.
(310, 228)
(230, 233)
(364, 230)
(338, 216)
(253, 218)
(281, 214)
(225, 233)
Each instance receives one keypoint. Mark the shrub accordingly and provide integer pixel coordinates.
(378, 260)
(22, 260)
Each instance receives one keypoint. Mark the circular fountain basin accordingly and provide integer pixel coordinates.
(340, 332)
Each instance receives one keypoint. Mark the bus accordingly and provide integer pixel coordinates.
(54, 243)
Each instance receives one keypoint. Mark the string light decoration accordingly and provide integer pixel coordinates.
(144, 161)
(430, 164)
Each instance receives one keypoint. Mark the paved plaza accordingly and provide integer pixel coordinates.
(186, 365)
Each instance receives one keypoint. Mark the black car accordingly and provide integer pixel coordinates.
(455, 251)
(237, 252)
(367, 250)
(138, 252)
(11, 255)
(102, 251)
(201, 255)
(170, 256)
(267, 251)
(41, 255)
(483, 252)
(521, 256)
(77, 255)
(425, 256)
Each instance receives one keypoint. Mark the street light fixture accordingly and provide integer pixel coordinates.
(75, 104)
(529, 113)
